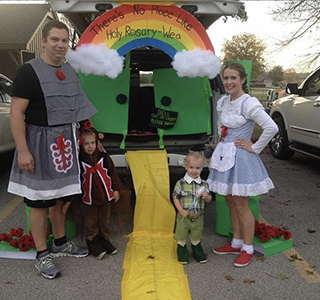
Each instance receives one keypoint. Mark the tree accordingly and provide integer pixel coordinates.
(245, 46)
(276, 75)
(242, 14)
(305, 13)
(290, 76)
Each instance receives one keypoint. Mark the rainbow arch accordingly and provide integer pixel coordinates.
(169, 28)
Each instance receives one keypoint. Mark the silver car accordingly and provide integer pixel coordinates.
(6, 139)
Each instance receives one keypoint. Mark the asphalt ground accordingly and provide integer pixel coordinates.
(293, 204)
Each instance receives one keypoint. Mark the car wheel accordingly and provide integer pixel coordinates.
(279, 144)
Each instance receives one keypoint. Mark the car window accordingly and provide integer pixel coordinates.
(313, 86)
(5, 90)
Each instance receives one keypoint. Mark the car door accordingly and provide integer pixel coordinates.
(305, 122)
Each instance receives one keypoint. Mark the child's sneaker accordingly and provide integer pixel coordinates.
(199, 254)
(46, 267)
(226, 249)
(183, 254)
(96, 249)
(106, 244)
(68, 249)
(101, 255)
(243, 259)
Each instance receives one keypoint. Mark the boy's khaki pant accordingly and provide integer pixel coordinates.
(189, 227)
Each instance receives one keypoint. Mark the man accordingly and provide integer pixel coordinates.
(47, 104)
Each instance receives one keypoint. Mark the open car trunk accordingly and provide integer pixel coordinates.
(149, 105)
(129, 116)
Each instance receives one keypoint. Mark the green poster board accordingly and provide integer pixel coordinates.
(189, 97)
(103, 92)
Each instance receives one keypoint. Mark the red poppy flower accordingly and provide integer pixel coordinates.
(287, 235)
(60, 75)
(272, 232)
(28, 241)
(26, 238)
(23, 246)
(23, 238)
(2, 237)
(264, 237)
(16, 232)
(265, 232)
(5, 237)
(14, 243)
(263, 228)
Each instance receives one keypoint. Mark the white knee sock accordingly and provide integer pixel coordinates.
(182, 243)
(237, 243)
(248, 248)
(195, 243)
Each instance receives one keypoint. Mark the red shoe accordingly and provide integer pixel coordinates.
(243, 259)
(226, 249)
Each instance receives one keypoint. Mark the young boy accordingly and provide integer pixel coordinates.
(100, 185)
(189, 197)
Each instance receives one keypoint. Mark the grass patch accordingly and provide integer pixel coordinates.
(260, 93)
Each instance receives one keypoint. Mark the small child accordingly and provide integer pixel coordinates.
(189, 197)
(100, 185)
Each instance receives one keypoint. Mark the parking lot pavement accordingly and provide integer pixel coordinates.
(293, 204)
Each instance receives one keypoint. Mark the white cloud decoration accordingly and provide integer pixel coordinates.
(196, 63)
(96, 59)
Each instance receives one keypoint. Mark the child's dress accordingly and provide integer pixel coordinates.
(236, 171)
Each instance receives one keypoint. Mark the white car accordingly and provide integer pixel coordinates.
(297, 116)
(6, 139)
(272, 95)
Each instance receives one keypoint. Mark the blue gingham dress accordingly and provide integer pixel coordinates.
(247, 176)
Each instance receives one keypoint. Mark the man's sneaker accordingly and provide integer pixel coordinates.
(243, 259)
(199, 254)
(46, 267)
(106, 244)
(226, 249)
(68, 249)
(183, 254)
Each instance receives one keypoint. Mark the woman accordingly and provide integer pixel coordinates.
(236, 170)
